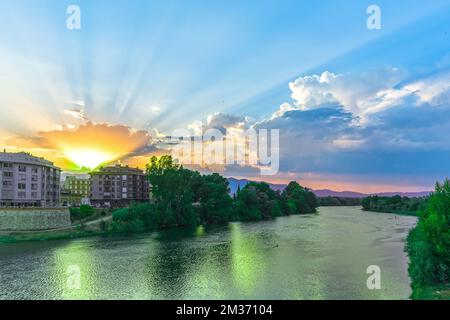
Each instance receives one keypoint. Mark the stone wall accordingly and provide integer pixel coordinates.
(29, 219)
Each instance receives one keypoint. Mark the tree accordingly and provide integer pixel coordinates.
(298, 200)
(257, 201)
(83, 212)
(428, 244)
(212, 193)
(172, 191)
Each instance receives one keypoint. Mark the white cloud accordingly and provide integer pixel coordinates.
(76, 114)
(361, 95)
(433, 91)
(312, 91)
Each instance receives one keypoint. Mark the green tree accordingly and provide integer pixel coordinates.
(212, 195)
(298, 200)
(172, 191)
(257, 201)
(428, 244)
(83, 212)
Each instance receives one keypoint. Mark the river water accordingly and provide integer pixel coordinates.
(320, 256)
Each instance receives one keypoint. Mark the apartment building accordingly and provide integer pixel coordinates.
(118, 186)
(79, 186)
(75, 191)
(28, 181)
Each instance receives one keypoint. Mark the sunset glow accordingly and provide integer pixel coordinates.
(89, 158)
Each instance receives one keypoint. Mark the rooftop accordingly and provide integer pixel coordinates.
(118, 169)
(25, 158)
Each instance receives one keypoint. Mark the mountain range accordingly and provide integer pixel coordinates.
(235, 183)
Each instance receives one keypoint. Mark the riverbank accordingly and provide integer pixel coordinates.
(90, 227)
(432, 293)
(400, 213)
(316, 256)
(44, 236)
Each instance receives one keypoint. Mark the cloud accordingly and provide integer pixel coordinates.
(112, 141)
(76, 114)
(221, 122)
(315, 91)
(361, 95)
(355, 124)
(381, 124)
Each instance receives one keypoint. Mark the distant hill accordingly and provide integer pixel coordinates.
(405, 194)
(343, 194)
(234, 183)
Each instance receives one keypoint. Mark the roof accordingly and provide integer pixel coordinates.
(25, 158)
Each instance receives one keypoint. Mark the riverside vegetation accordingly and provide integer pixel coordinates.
(428, 244)
(182, 197)
(395, 204)
(428, 247)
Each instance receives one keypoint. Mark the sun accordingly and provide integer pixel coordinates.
(89, 158)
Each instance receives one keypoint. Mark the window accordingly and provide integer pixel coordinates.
(21, 194)
(22, 169)
(34, 170)
(34, 186)
(21, 186)
(7, 174)
(7, 165)
(7, 183)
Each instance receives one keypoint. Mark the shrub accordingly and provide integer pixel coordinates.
(428, 244)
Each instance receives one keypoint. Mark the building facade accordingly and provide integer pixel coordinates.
(118, 186)
(75, 191)
(28, 181)
(78, 186)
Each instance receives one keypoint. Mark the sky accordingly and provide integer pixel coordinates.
(356, 109)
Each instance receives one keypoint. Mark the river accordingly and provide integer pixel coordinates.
(319, 256)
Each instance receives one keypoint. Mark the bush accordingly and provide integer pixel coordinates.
(83, 212)
(256, 201)
(298, 200)
(428, 244)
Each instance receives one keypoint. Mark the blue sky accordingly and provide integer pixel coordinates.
(167, 64)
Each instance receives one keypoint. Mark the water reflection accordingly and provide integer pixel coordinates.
(72, 273)
(247, 259)
(321, 256)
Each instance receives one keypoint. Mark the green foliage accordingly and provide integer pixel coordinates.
(257, 201)
(182, 197)
(339, 201)
(212, 195)
(428, 244)
(298, 200)
(134, 219)
(83, 212)
(396, 204)
(173, 192)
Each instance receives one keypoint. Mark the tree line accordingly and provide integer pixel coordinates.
(331, 201)
(395, 204)
(428, 246)
(183, 197)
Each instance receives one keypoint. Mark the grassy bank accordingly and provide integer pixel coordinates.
(400, 213)
(43, 236)
(428, 247)
(396, 205)
(432, 293)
